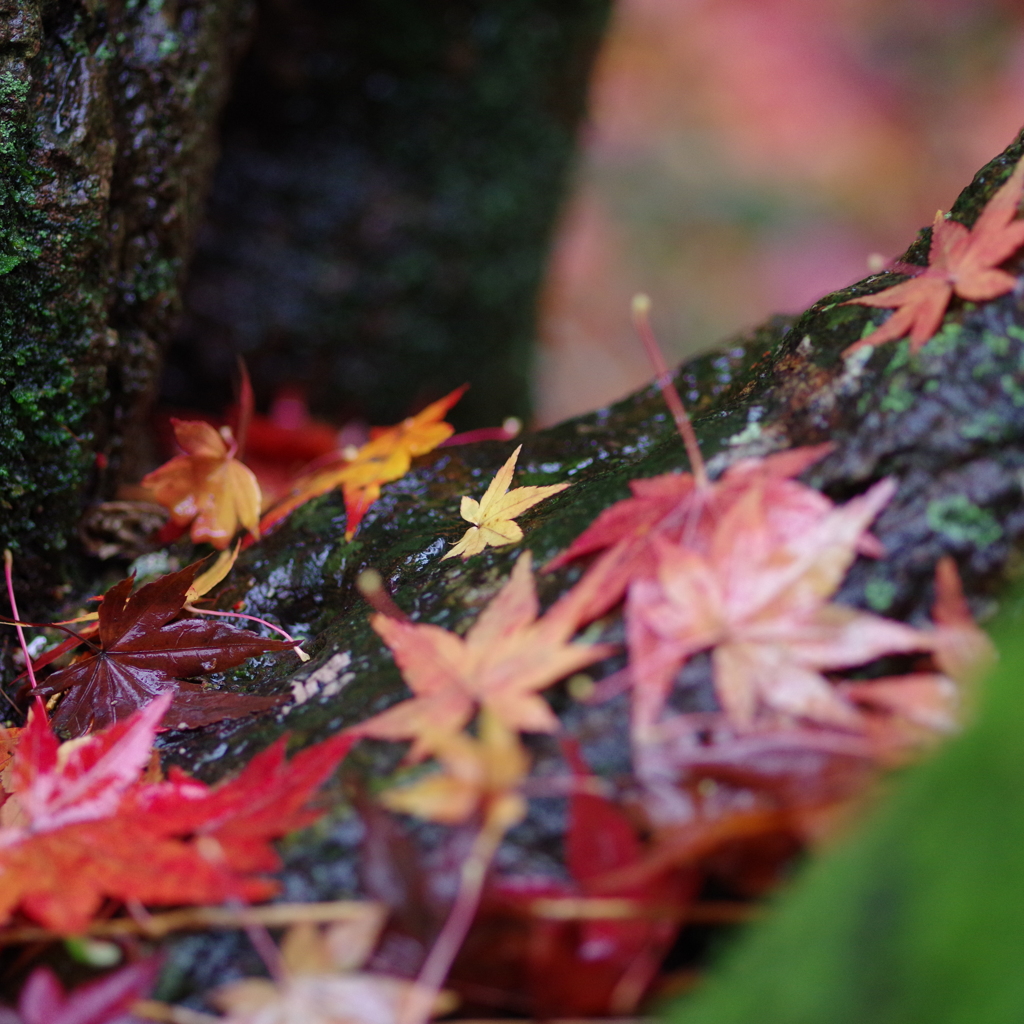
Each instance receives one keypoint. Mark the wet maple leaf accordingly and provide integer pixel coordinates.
(79, 825)
(961, 261)
(494, 514)
(476, 772)
(385, 457)
(321, 982)
(673, 507)
(506, 657)
(144, 650)
(574, 968)
(761, 606)
(207, 486)
(107, 1001)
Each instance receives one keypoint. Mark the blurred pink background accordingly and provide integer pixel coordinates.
(745, 157)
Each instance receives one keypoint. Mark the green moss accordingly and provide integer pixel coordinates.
(43, 447)
(961, 521)
(898, 398)
(879, 594)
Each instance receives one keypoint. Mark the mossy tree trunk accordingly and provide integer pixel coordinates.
(107, 129)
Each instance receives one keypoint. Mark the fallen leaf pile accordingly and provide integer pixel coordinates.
(759, 709)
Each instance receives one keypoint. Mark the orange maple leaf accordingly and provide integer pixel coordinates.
(762, 607)
(484, 771)
(386, 457)
(508, 655)
(961, 261)
(207, 486)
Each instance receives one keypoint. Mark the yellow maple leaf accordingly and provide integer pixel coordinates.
(360, 475)
(494, 514)
(207, 486)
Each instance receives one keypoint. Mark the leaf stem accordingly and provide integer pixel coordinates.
(642, 322)
(303, 656)
(371, 586)
(8, 566)
(420, 1000)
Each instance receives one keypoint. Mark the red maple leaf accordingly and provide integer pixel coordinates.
(107, 1001)
(145, 650)
(760, 604)
(675, 508)
(961, 261)
(78, 825)
(576, 968)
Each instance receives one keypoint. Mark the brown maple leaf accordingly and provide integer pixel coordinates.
(145, 650)
(494, 514)
(360, 474)
(79, 824)
(207, 486)
(762, 608)
(962, 261)
(506, 657)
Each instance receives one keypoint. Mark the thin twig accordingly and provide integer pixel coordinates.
(199, 919)
(592, 908)
(151, 1009)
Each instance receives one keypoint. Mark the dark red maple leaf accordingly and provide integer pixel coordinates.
(145, 650)
(78, 825)
(107, 1001)
(583, 968)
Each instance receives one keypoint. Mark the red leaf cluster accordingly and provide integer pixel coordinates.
(78, 825)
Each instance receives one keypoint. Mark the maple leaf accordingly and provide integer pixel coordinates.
(760, 605)
(80, 825)
(492, 516)
(506, 657)
(385, 457)
(142, 653)
(321, 983)
(673, 507)
(961, 261)
(477, 772)
(207, 486)
(574, 967)
(107, 1001)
